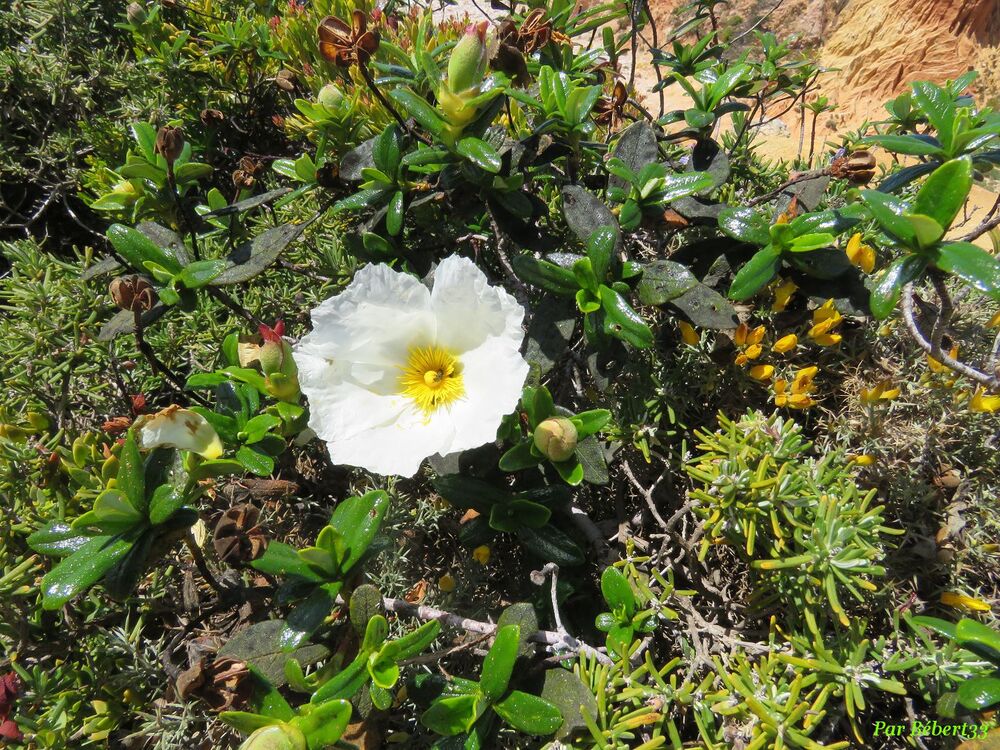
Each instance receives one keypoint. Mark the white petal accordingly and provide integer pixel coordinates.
(398, 447)
(375, 320)
(179, 428)
(493, 375)
(468, 310)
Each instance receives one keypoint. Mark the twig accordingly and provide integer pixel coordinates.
(202, 565)
(647, 493)
(927, 346)
(811, 175)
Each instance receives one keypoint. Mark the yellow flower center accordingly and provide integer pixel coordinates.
(432, 377)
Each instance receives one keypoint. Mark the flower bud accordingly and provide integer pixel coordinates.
(136, 14)
(556, 438)
(330, 96)
(277, 364)
(170, 143)
(469, 59)
(179, 428)
(285, 80)
(132, 293)
(279, 736)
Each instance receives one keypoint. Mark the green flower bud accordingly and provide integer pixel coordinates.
(556, 438)
(276, 737)
(469, 59)
(136, 14)
(330, 96)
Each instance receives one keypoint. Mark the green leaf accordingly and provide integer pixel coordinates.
(585, 213)
(166, 501)
(420, 110)
(386, 150)
(201, 272)
(888, 287)
(137, 249)
(756, 273)
(538, 404)
(680, 185)
(84, 568)
(255, 461)
(480, 153)
(745, 225)
(979, 693)
(382, 666)
(467, 492)
(617, 590)
(972, 264)
(261, 645)
(281, 559)
(324, 725)
(519, 457)
(130, 479)
(570, 470)
(307, 617)
(551, 545)
(548, 276)
(258, 427)
(57, 539)
(346, 682)
(498, 665)
(664, 280)
(451, 716)
(529, 714)
(622, 321)
(567, 692)
(417, 640)
(976, 636)
(888, 211)
(905, 144)
(926, 231)
(251, 258)
(357, 520)
(808, 242)
(600, 249)
(698, 118)
(938, 105)
(589, 422)
(394, 215)
(245, 722)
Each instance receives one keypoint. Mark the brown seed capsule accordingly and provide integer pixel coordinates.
(858, 167)
(211, 118)
(238, 538)
(328, 174)
(285, 80)
(132, 293)
(169, 143)
(136, 14)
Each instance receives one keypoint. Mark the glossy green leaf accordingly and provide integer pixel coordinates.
(395, 214)
(745, 225)
(979, 693)
(130, 479)
(358, 519)
(542, 273)
(756, 273)
(137, 249)
(451, 716)
(888, 212)
(480, 153)
(617, 590)
(325, 724)
(888, 286)
(85, 567)
(419, 110)
(622, 321)
(57, 539)
(972, 264)
(498, 665)
(944, 193)
(529, 714)
(905, 144)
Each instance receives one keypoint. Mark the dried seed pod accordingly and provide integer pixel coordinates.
(136, 14)
(285, 80)
(211, 118)
(169, 143)
(133, 293)
(858, 167)
(238, 539)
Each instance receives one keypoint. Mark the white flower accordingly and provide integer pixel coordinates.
(179, 428)
(395, 372)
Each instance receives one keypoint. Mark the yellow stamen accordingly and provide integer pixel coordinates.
(432, 377)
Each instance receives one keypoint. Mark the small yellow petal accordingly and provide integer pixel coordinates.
(762, 372)
(740, 336)
(960, 601)
(688, 334)
(753, 351)
(782, 295)
(481, 554)
(860, 255)
(785, 344)
(741, 359)
(446, 583)
(828, 339)
(939, 366)
(756, 335)
(862, 460)
(981, 402)
(994, 321)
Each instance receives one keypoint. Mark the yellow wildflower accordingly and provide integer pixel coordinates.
(785, 344)
(746, 337)
(783, 294)
(825, 319)
(481, 554)
(938, 366)
(862, 459)
(960, 601)
(446, 583)
(882, 391)
(796, 394)
(994, 321)
(981, 402)
(860, 255)
(762, 372)
(688, 334)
